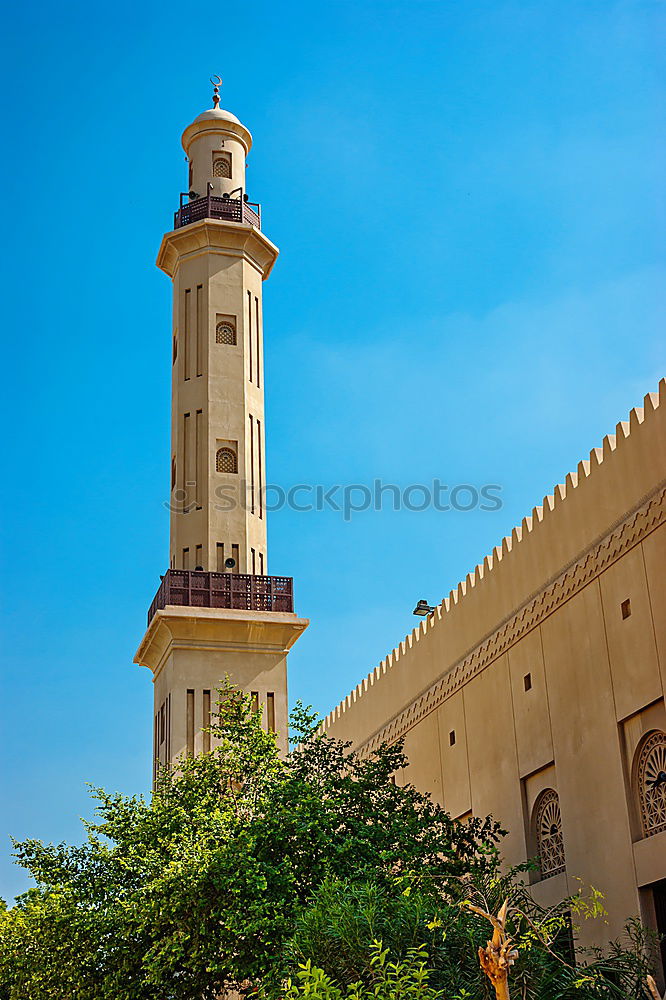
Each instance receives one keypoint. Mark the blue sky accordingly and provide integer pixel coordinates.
(466, 197)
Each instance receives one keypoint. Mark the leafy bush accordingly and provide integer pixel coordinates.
(402, 980)
(337, 935)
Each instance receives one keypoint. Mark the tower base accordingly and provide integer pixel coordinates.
(192, 650)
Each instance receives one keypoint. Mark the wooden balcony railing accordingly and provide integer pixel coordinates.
(212, 207)
(197, 589)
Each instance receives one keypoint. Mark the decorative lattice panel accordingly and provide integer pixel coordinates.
(226, 460)
(222, 167)
(225, 332)
(651, 778)
(548, 828)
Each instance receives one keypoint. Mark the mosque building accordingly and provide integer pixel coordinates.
(533, 692)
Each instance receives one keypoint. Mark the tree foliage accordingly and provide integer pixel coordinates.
(315, 875)
(200, 887)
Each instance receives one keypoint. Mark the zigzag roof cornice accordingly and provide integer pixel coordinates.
(635, 528)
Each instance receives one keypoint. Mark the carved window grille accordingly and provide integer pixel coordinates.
(651, 779)
(225, 332)
(548, 830)
(226, 460)
(222, 165)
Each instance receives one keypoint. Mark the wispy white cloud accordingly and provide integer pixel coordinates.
(542, 373)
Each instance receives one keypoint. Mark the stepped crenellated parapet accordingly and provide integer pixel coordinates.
(590, 502)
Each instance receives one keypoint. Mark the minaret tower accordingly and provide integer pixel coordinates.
(217, 612)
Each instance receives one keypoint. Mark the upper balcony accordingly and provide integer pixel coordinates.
(241, 591)
(214, 207)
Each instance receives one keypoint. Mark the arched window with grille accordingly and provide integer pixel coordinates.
(651, 783)
(548, 833)
(225, 332)
(222, 165)
(226, 460)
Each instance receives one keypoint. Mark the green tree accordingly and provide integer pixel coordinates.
(244, 868)
(199, 888)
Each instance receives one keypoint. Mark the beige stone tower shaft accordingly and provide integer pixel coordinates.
(217, 613)
(217, 264)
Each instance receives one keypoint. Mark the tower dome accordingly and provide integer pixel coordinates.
(213, 114)
(216, 145)
(216, 121)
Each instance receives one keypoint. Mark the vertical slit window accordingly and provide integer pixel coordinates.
(186, 461)
(199, 330)
(261, 471)
(255, 701)
(261, 564)
(206, 721)
(186, 334)
(251, 418)
(190, 722)
(186, 558)
(168, 740)
(254, 562)
(155, 751)
(257, 334)
(249, 328)
(220, 557)
(270, 711)
(236, 558)
(198, 557)
(198, 463)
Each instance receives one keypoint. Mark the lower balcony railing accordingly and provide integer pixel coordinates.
(197, 589)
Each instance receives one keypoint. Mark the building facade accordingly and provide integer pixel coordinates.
(535, 691)
(217, 612)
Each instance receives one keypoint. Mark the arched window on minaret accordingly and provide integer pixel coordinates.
(226, 460)
(221, 164)
(225, 332)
